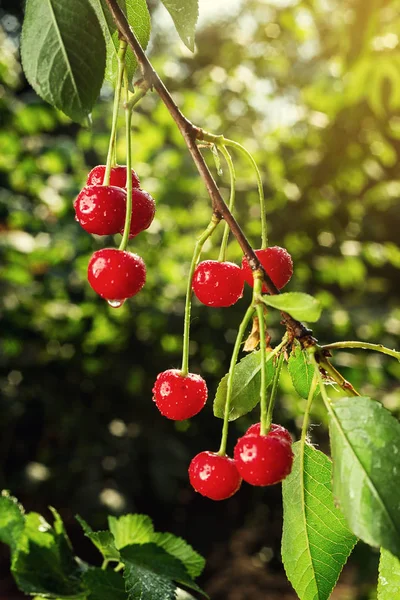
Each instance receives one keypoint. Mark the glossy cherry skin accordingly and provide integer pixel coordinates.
(143, 210)
(117, 176)
(218, 283)
(277, 263)
(116, 274)
(101, 209)
(275, 431)
(179, 397)
(214, 476)
(263, 459)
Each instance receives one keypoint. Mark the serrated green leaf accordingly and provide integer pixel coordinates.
(316, 541)
(131, 529)
(184, 14)
(104, 585)
(150, 572)
(299, 306)
(103, 540)
(63, 54)
(43, 562)
(12, 520)
(365, 443)
(245, 388)
(300, 370)
(138, 17)
(176, 546)
(389, 576)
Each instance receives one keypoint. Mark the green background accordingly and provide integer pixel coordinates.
(312, 89)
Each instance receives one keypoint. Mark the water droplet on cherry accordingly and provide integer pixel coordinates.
(115, 303)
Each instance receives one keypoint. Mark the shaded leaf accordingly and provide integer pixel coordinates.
(12, 520)
(365, 443)
(389, 576)
(300, 370)
(179, 548)
(316, 541)
(184, 14)
(300, 306)
(105, 585)
(43, 563)
(131, 529)
(63, 54)
(138, 17)
(245, 388)
(103, 540)
(150, 572)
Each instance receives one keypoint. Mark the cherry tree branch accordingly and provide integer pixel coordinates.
(191, 134)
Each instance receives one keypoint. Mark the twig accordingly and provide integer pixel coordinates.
(190, 134)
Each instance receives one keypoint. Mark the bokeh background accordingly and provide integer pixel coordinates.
(312, 88)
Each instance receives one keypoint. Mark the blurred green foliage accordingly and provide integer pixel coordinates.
(312, 88)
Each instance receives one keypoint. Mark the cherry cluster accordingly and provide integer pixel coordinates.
(101, 209)
(258, 459)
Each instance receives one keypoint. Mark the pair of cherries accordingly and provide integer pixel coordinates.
(101, 209)
(259, 460)
(220, 284)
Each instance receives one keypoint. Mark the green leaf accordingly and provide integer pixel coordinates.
(184, 14)
(105, 585)
(316, 541)
(103, 540)
(299, 306)
(63, 54)
(389, 576)
(245, 388)
(12, 520)
(365, 443)
(131, 529)
(300, 370)
(176, 546)
(138, 17)
(43, 562)
(150, 572)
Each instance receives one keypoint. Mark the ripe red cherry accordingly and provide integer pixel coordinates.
(116, 274)
(214, 476)
(117, 176)
(275, 431)
(218, 283)
(143, 209)
(263, 459)
(179, 397)
(277, 263)
(101, 209)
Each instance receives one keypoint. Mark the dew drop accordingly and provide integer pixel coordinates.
(115, 303)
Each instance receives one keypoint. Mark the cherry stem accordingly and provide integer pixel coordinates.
(264, 229)
(128, 106)
(188, 303)
(306, 417)
(362, 346)
(232, 175)
(229, 386)
(258, 283)
(117, 96)
(274, 389)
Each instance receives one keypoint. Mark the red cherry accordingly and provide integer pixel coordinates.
(101, 209)
(117, 176)
(178, 396)
(214, 476)
(116, 274)
(143, 209)
(218, 283)
(277, 263)
(275, 431)
(263, 459)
